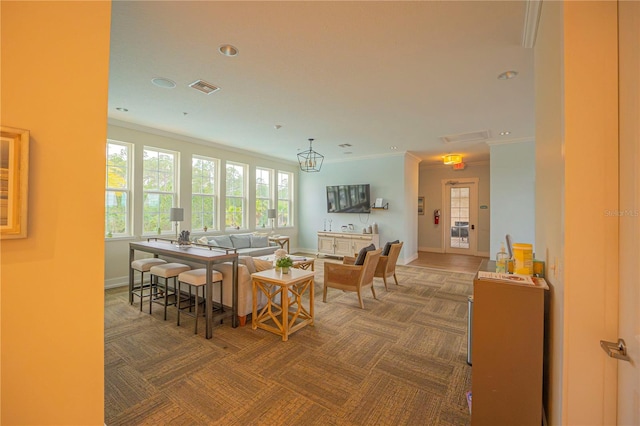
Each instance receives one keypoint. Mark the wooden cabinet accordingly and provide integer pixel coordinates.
(344, 244)
(507, 350)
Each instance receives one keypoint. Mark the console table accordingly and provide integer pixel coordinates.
(204, 255)
(344, 243)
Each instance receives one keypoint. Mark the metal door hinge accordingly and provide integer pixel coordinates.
(615, 350)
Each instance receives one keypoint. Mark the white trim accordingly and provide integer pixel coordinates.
(531, 19)
(116, 282)
(509, 141)
(474, 206)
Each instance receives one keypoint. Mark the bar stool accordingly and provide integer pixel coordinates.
(198, 278)
(166, 271)
(142, 266)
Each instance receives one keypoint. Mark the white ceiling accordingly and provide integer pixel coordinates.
(371, 74)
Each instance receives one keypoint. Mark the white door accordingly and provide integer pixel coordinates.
(629, 212)
(460, 215)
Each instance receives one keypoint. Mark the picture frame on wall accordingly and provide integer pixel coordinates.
(14, 175)
(421, 205)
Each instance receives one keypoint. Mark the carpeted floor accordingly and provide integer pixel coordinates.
(401, 361)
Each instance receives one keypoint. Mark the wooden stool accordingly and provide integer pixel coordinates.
(142, 266)
(166, 271)
(197, 278)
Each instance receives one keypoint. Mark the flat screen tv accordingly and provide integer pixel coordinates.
(348, 199)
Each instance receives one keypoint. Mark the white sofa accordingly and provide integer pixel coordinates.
(245, 244)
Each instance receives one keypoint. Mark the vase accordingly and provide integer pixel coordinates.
(285, 269)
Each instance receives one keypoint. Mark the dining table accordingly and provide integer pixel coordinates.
(200, 254)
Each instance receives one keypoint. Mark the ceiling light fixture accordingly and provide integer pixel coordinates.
(452, 159)
(310, 160)
(228, 50)
(505, 133)
(508, 75)
(163, 82)
(393, 148)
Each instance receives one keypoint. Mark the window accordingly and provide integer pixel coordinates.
(118, 189)
(159, 183)
(264, 195)
(235, 203)
(204, 193)
(285, 199)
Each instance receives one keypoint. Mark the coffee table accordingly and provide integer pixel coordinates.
(284, 312)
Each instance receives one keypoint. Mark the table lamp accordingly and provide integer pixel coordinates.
(271, 214)
(176, 214)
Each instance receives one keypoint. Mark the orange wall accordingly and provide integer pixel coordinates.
(55, 65)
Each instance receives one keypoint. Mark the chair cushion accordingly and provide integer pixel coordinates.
(169, 270)
(143, 265)
(241, 240)
(363, 253)
(198, 277)
(259, 241)
(387, 247)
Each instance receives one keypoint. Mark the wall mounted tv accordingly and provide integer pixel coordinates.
(348, 199)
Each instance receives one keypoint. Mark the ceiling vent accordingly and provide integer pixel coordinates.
(480, 136)
(204, 87)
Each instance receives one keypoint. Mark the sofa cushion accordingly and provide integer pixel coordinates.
(387, 247)
(363, 253)
(221, 241)
(259, 241)
(241, 240)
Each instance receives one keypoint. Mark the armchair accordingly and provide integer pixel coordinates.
(387, 264)
(351, 277)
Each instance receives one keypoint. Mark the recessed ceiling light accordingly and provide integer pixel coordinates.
(505, 133)
(393, 148)
(277, 126)
(228, 50)
(163, 82)
(508, 75)
(122, 109)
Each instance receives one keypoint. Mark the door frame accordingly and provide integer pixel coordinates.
(472, 182)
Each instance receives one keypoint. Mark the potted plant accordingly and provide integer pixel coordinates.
(284, 263)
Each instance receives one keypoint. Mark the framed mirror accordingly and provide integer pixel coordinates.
(14, 176)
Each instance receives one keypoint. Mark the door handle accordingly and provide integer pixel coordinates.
(473, 227)
(615, 350)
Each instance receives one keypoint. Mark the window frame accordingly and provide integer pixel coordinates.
(215, 196)
(243, 198)
(269, 198)
(164, 230)
(127, 189)
(289, 201)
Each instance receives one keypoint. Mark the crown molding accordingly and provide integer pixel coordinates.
(510, 141)
(531, 19)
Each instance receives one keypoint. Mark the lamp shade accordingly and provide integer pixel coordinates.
(271, 213)
(176, 214)
(452, 159)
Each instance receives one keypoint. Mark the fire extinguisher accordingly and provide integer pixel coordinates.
(436, 216)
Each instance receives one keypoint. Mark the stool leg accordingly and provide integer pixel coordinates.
(178, 322)
(195, 330)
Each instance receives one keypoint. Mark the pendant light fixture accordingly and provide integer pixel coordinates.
(310, 161)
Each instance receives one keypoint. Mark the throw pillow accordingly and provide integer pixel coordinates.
(387, 247)
(259, 241)
(221, 241)
(203, 240)
(241, 241)
(262, 265)
(363, 253)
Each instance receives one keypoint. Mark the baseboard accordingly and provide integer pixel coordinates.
(407, 260)
(116, 282)
(431, 249)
